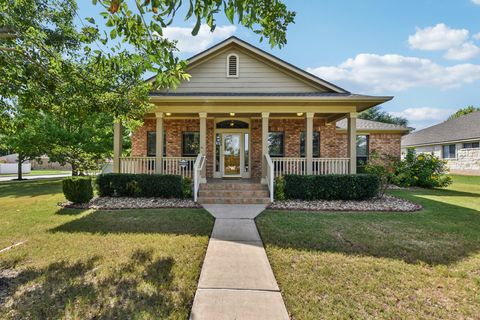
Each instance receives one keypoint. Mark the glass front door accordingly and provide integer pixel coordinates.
(232, 156)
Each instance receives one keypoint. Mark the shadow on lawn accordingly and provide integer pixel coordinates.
(141, 287)
(195, 222)
(30, 188)
(441, 234)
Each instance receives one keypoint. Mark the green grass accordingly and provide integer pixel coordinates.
(125, 264)
(40, 172)
(381, 265)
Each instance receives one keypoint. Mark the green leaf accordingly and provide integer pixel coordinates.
(90, 19)
(197, 27)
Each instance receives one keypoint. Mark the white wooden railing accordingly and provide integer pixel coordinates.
(137, 165)
(197, 174)
(182, 166)
(270, 175)
(330, 166)
(283, 166)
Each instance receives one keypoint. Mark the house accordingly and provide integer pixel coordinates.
(247, 114)
(457, 141)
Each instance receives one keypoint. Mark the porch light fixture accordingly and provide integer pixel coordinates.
(168, 114)
(232, 114)
(299, 114)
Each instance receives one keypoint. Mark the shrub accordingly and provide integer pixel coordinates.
(279, 188)
(331, 187)
(78, 189)
(383, 166)
(187, 188)
(423, 170)
(140, 185)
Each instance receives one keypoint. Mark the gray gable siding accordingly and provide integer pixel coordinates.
(254, 76)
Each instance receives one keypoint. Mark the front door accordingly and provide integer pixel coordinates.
(232, 155)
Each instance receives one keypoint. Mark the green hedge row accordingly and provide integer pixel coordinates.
(331, 187)
(141, 185)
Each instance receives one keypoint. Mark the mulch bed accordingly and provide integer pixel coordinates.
(387, 203)
(114, 203)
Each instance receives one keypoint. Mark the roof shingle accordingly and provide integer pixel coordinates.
(466, 127)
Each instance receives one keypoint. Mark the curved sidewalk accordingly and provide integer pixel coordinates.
(237, 281)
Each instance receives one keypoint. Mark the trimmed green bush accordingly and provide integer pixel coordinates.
(331, 187)
(78, 189)
(187, 188)
(279, 188)
(140, 185)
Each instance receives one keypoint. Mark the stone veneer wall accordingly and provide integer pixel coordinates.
(332, 144)
(467, 160)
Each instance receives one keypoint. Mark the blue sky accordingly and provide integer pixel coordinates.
(426, 53)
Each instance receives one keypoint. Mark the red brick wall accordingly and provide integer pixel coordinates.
(332, 144)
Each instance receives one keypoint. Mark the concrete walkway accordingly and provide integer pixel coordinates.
(237, 281)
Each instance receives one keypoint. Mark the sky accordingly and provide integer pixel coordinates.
(425, 53)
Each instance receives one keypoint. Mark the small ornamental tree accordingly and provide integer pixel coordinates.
(383, 166)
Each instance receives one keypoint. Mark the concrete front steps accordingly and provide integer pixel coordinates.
(232, 192)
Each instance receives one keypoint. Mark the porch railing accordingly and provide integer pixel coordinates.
(197, 174)
(330, 166)
(270, 175)
(182, 166)
(283, 166)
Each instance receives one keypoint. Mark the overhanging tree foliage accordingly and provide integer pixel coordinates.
(95, 72)
(463, 111)
(377, 114)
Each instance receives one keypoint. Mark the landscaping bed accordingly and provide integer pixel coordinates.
(386, 203)
(113, 203)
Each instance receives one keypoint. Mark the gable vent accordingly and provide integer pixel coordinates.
(232, 66)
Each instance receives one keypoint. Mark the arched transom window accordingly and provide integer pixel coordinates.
(232, 66)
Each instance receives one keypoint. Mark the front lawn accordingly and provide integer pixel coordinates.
(381, 265)
(125, 264)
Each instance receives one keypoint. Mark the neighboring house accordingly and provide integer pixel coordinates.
(456, 140)
(244, 114)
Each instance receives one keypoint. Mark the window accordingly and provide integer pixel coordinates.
(276, 144)
(232, 66)
(449, 151)
(152, 145)
(316, 144)
(190, 144)
(362, 149)
(471, 145)
(232, 124)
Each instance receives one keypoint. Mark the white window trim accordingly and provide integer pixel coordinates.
(237, 66)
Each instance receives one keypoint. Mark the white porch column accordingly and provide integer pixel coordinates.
(352, 141)
(159, 143)
(309, 141)
(117, 146)
(265, 116)
(203, 140)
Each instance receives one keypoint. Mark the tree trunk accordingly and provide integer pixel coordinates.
(74, 170)
(19, 171)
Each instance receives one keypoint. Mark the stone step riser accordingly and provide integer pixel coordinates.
(233, 193)
(211, 200)
(232, 186)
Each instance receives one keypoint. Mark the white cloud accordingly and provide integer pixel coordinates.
(466, 51)
(392, 72)
(439, 37)
(422, 117)
(422, 113)
(476, 2)
(477, 36)
(203, 40)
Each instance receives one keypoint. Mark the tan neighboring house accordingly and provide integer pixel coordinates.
(246, 114)
(457, 141)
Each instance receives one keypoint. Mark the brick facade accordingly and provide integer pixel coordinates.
(332, 143)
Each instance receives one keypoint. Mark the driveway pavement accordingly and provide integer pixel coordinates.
(49, 176)
(237, 281)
